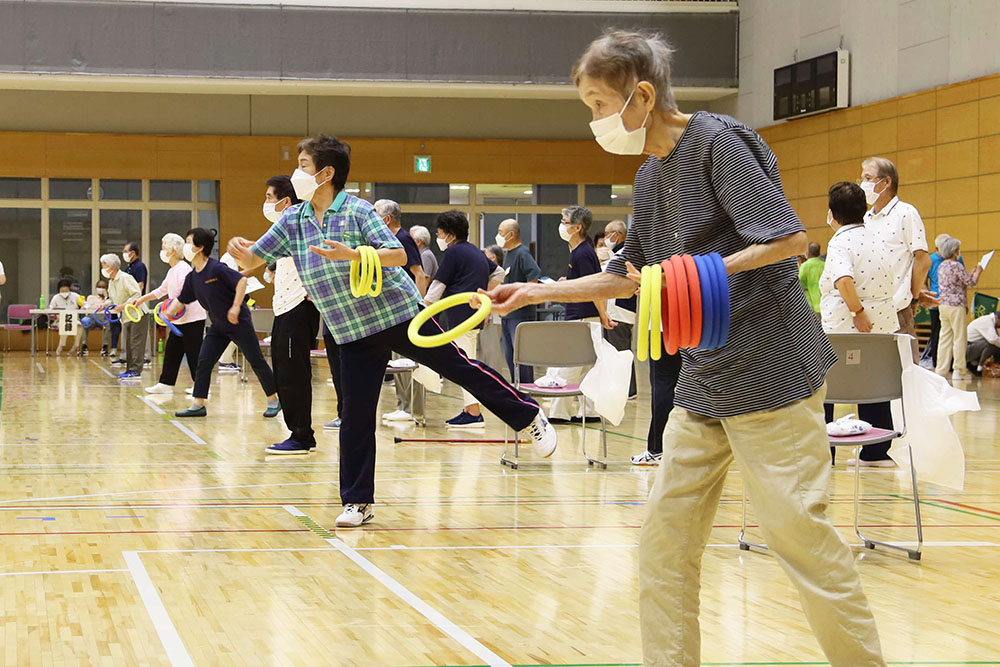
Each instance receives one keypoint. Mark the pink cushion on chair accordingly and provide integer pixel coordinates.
(571, 388)
(874, 435)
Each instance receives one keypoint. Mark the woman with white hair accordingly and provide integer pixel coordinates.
(191, 325)
(123, 288)
(422, 237)
(953, 280)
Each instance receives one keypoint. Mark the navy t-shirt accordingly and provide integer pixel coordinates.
(138, 271)
(582, 262)
(412, 253)
(521, 267)
(464, 268)
(214, 287)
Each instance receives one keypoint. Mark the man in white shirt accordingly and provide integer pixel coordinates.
(984, 342)
(901, 231)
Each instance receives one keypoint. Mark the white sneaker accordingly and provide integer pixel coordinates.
(646, 459)
(543, 435)
(160, 388)
(397, 416)
(888, 463)
(189, 390)
(355, 515)
(959, 376)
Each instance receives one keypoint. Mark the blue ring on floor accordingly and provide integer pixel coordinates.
(707, 303)
(724, 298)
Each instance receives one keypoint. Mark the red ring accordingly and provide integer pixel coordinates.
(694, 293)
(671, 330)
(683, 302)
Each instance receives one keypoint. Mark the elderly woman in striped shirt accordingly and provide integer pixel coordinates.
(711, 184)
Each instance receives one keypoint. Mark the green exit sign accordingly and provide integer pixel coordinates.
(421, 164)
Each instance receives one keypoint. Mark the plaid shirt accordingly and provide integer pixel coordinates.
(354, 223)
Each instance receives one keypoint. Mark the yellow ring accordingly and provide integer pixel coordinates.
(366, 273)
(131, 318)
(642, 346)
(655, 312)
(355, 275)
(156, 315)
(413, 331)
(366, 270)
(377, 265)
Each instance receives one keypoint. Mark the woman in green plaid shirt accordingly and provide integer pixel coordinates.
(369, 329)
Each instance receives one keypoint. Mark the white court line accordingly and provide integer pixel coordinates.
(40, 369)
(280, 484)
(424, 609)
(171, 641)
(103, 369)
(156, 408)
(188, 432)
(23, 574)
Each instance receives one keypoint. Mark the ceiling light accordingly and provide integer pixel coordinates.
(614, 196)
(459, 187)
(527, 192)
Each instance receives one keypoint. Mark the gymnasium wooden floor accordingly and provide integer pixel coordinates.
(131, 539)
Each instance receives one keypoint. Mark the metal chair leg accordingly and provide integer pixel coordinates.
(744, 545)
(913, 554)
(602, 463)
(504, 461)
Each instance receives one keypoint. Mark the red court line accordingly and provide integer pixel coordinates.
(157, 532)
(963, 505)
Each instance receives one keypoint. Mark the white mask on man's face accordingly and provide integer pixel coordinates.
(127, 256)
(106, 273)
(305, 184)
(870, 195)
(501, 239)
(442, 243)
(564, 232)
(609, 243)
(829, 219)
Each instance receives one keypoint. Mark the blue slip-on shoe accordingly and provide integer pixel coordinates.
(272, 412)
(465, 420)
(290, 447)
(192, 412)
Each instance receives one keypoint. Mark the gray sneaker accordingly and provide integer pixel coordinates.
(332, 425)
(646, 459)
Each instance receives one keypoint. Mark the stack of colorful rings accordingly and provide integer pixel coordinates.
(692, 310)
(366, 273)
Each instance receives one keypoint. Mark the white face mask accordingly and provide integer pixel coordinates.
(189, 253)
(609, 243)
(564, 232)
(500, 240)
(870, 195)
(106, 273)
(611, 134)
(269, 212)
(305, 184)
(126, 256)
(442, 244)
(829, 220)
(101, 291)
(164, 257)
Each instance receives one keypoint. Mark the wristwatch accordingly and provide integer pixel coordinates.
(855, 314)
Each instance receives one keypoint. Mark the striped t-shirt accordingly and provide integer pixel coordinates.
(719, 191)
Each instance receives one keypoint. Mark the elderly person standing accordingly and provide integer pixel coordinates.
(422, 237)
(712, 185)
(856, 295)
(953, 281)
(929, 357)
(122, 288)
(901, 230)
(620, 311)
(519, 267)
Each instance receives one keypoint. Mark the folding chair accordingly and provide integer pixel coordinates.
(868, 370)
(419, 420)
(20, 312)
(561, 344)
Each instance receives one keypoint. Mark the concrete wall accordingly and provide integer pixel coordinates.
(897, 46)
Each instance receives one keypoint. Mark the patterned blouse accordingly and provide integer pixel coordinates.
(953, 280)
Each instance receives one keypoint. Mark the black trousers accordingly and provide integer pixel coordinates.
(292, 338)
(363, 363)
(979, 352)
(333, 359)
(930, 351)
(878, 415)
(215, 344)
(663, 376)
(188, 345)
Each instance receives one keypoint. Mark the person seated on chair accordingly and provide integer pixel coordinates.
(65, 299)
(856, 296)
(984, 342)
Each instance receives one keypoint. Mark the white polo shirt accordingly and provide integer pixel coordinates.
(984, 328)
(288, 289)
(900, 230)
(855, 252)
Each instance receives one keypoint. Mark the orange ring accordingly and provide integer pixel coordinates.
(671, 330)
(683, 302)
(694, 292)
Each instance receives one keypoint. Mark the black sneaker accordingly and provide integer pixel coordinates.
(104, 351)
(119, 362)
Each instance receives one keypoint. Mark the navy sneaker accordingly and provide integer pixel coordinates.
(128, 375)
(290, 447)
(465, 420)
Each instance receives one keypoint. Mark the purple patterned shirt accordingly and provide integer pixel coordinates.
(953, 280)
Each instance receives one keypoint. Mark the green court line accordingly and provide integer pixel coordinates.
(214, 455)
(952, 509)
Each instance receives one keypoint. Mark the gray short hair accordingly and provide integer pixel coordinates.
(623, 58)
(949, 248)
(579, 215)
(173, 241)
(940, 239)
(422, 234)
(387, 207)
(885, 168)
(112, 260)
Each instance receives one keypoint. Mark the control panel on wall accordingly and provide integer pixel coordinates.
(811, 86)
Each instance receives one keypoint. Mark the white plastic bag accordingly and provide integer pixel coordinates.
(606, 383)
(930, 401)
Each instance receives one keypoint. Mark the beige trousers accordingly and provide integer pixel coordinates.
(952, 340)
(784, 458)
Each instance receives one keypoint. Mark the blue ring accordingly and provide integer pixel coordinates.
(724, 298)
(112, 316)
(97, 321)
(713, 282)
(707, 304)
(170, 325)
